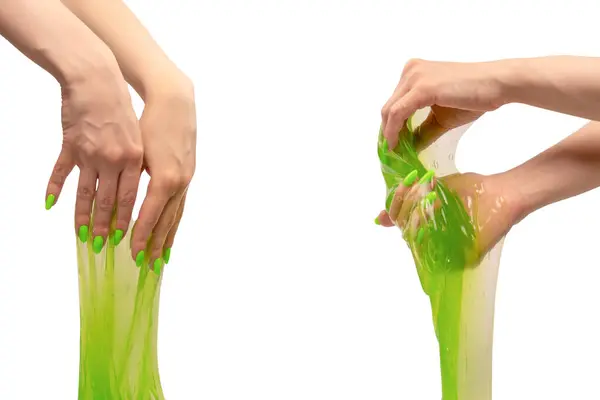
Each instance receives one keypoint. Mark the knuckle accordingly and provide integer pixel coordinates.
(170, 181)
(128, 199)
(113, 155)
(106, 203)
(85, 193)
(412, 64)
(134, 154)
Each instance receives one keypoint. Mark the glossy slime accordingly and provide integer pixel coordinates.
(460, 284)
(119, 322)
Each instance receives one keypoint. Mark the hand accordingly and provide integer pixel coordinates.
(168, 126)
(458, 93)
(493, 203)
(101, 136)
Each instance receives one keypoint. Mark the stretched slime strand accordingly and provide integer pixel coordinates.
(119, 322)
(441, 262)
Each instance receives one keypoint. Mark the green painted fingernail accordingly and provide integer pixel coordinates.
(50, 201)
(139, 259)
(158, 263)
(431, 196)
(410, 178)
(98, 244)
(427, 177)
(83, 233)
(377, 221)
(420, 235)
(167, 255)
(118, 237)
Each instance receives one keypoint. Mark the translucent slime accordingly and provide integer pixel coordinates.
(119, 321)
(461, 285)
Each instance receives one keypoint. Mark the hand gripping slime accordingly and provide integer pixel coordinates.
(119, 322)
(460, 284)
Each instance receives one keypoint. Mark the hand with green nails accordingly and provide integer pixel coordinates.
(102, 138)
(490, 202)
(169, 132)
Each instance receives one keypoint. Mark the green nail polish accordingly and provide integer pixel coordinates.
(377, 221)
(167, 255)
(410, 178)
(139, 259)
(98, 244)
(420, 235)
(118, 237)
(83, 233)
(158, 263)
(431, 197)
(50, 201)
(427, 177)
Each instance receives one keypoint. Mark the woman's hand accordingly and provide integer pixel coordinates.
(101, 136)
(168, 126)
(458, 93)
(493, 202)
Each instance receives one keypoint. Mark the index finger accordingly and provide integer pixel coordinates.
(399, 112)
(150, 212)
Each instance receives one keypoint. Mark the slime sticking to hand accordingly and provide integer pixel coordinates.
(119, 323)
(451, 225)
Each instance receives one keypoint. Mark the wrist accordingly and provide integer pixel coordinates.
(166, 82)
(513, 77)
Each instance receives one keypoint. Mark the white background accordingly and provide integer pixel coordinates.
(280, 285)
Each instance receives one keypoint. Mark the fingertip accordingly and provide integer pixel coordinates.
(50, 201)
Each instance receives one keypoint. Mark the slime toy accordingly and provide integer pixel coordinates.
(119, 322)
(459, 281)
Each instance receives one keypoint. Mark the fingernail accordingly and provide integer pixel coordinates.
(139, 259)
(98, 244)
(50, 201)
(410, 178)
(118, 236)
(167, 255)
(83, 233)
(158, 263)
(431, 196)
(427, 177)
(377, 221)
(420, 235)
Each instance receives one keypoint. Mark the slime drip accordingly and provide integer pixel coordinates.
(119, 322)
(460, 284)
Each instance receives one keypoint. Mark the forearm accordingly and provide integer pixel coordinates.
(566, 84)
(55, 39)
(144, 64)
(567, 169)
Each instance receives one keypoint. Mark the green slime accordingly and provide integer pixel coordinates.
(449, 247)
(119, 323)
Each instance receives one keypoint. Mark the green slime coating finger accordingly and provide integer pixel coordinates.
(441, 258)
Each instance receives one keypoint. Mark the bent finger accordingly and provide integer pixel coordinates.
(161, 230)
(129, 181)
(86, 191)
(403, 108)
(171, 236)
(401, 191)
(152, 207)
(383, 219)
(62, 168)
(104, 207)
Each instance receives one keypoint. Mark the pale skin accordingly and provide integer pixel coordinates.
(459, 93)
(168, 123)
(77, 44)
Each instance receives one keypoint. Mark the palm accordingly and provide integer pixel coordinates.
(488, 203)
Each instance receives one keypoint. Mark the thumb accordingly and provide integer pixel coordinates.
(63, 167)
